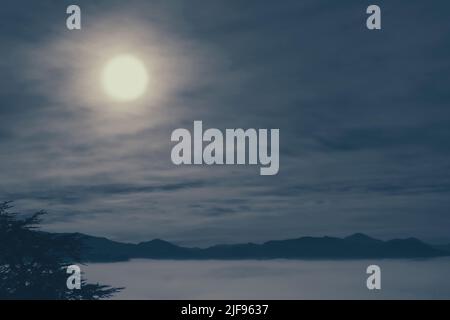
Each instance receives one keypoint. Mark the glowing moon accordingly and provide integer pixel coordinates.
(125, 78)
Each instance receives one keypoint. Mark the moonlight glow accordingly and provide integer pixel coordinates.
(125, 78)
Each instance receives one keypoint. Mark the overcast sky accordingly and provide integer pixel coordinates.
(363, 115)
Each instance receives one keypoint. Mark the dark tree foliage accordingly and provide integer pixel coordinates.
(33, 264)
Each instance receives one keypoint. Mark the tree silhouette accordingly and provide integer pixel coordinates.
(33, 264)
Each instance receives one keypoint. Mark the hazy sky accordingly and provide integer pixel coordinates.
(363, 115)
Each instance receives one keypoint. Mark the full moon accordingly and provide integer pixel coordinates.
(125, 78)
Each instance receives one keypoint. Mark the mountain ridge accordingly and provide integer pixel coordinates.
(356, 246)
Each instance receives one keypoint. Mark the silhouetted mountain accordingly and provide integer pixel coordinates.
(357, 246)
(160, 249)
(443, 247)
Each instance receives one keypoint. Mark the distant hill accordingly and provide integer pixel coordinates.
(444, 247)
(357, 246)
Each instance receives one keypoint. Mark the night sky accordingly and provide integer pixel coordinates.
(364, 118)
